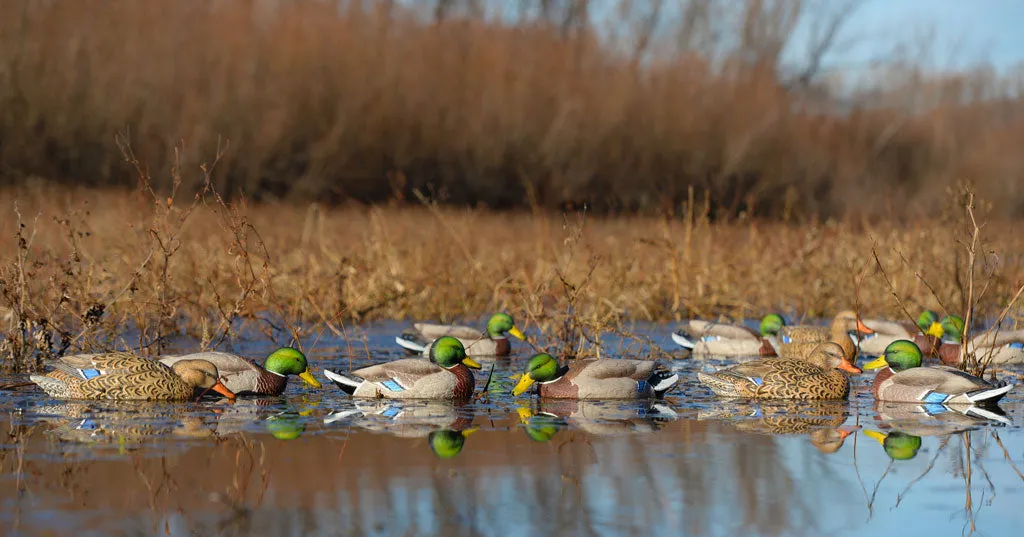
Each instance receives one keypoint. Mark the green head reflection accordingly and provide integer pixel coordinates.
(898, 446)
(447, 443)
(288, 426)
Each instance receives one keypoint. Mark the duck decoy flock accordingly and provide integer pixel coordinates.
(778, 362)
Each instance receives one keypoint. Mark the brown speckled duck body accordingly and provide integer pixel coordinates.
(123, 376)
(798, 342)
(815, 377)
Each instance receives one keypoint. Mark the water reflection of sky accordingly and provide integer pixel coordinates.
(700, 474)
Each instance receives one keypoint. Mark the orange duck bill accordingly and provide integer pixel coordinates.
(220, 388)
(849, 368)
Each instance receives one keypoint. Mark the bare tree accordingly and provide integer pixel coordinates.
(826, 26)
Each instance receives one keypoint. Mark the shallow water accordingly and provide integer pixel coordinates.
(318, 463)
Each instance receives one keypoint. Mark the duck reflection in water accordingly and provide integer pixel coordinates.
(545, 417)
(822, 423)
(445, 425)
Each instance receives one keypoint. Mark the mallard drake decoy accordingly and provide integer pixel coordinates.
(594, 379)
(243, 376)
(705, 338)
(1000, 346)
(445, 375)
(817, 376)
(124, 376)
(490, 342)
(902, 379)
(797, 342)
(926, 334)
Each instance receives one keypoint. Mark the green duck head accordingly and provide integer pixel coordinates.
(501, 324)
(288, 361)
(898, 446)
(541, 368)
(447, 443)
(771, 324)
(448, 352)
(929, 323)
(900, 355)
(953, 328)
(287, 426)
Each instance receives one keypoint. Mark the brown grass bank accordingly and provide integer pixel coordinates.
(87, 269)
(494, 102)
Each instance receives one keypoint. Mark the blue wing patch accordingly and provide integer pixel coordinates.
(757, 380)
(393, 410)
(1017, 345)
(392, 385)
(88, 374)
(787, 339)
(641, 386)
(935, 397)
(710, 338)
(934, 409)
(88, 425)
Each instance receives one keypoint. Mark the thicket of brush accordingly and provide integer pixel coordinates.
(622, 104)
(82, 269)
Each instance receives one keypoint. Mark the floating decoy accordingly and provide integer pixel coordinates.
(901, 378)
(490, 342)
(819, 375)
(927, 334)
(705, 338)
(243, 376)
(124, 376)
(594, 378)
(797, 342)
(446, 375)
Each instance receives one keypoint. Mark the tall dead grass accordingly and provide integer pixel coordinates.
(498, 103)
(86, 269)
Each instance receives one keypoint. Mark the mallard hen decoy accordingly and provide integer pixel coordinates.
(820, 375)
(243, 376)
(901, 378)
(594, 379)
(797, 342)
(123, 376)
(490, 342)
(705, 338)
(445, 375)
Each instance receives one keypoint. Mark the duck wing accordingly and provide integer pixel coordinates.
(614, 368)
(940, 378)
(406, 371)
(434, 331)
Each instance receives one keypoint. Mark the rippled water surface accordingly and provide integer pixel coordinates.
(318, 463)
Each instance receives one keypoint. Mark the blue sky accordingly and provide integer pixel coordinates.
(963, 31)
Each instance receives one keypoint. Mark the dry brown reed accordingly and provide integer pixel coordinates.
(492, 102)
(85, 269)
